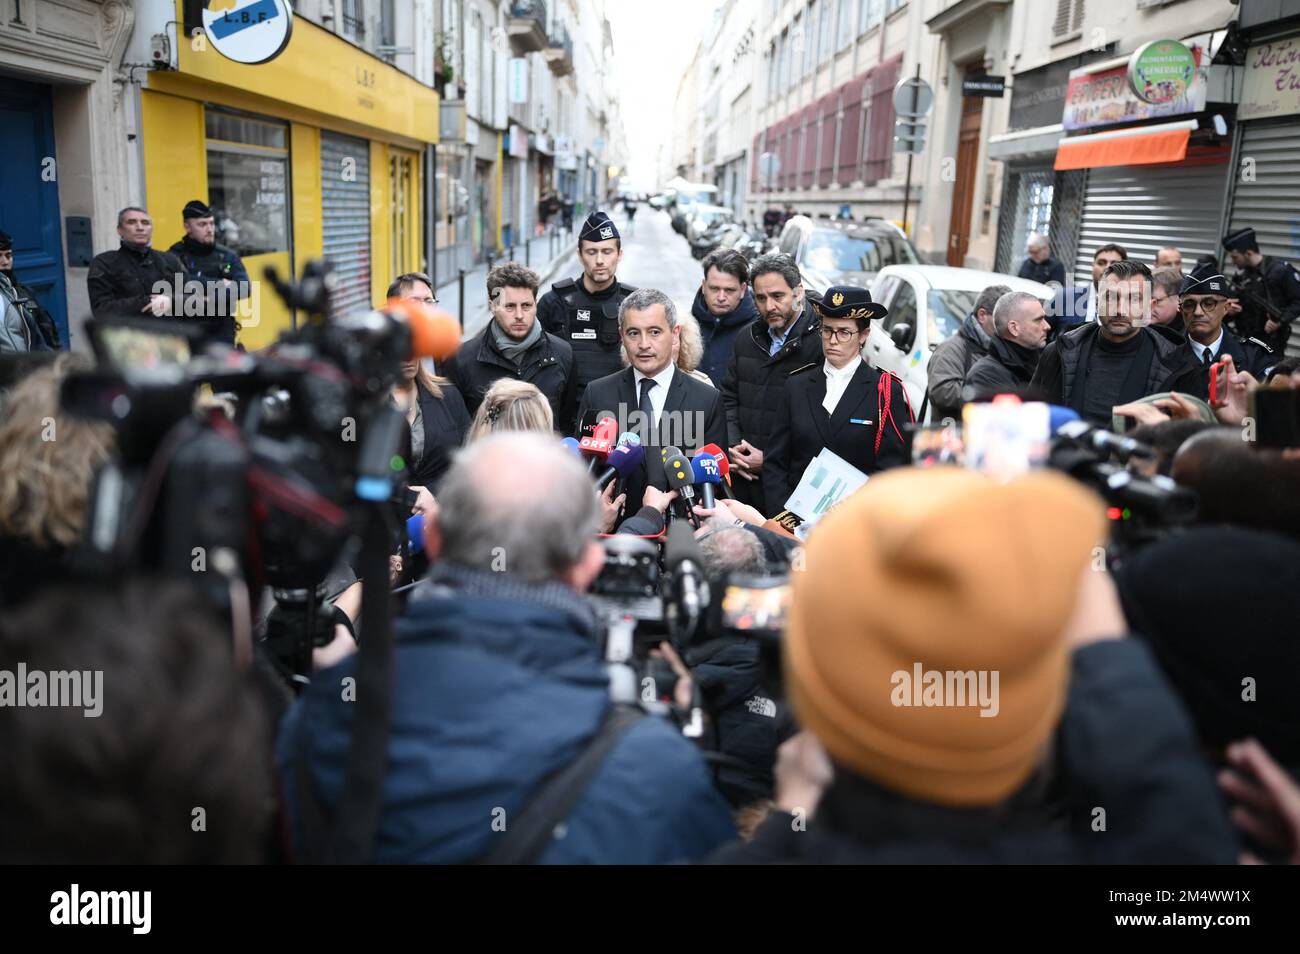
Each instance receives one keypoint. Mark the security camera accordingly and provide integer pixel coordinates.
(160, 51)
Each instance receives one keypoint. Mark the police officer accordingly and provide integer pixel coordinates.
(223, 275)
(841, 403)
(1204, 302)
(1269, 290)
(583, 311)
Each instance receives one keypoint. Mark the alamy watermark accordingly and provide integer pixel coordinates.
(37, 688)
(946, 688)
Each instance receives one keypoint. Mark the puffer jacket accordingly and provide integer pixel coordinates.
(719, 333)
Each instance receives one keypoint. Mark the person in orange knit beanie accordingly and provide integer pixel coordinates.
(954, 655)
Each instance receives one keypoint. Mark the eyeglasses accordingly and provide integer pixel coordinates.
(1207, 304)
(426, 301)
(839, 334)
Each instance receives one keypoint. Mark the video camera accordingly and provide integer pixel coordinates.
(270, 498)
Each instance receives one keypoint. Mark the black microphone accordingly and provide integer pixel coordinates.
(683, 562)
(1097, 438)
(681, 478)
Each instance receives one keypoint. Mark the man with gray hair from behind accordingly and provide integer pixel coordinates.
(505, 747)
(1021, 328)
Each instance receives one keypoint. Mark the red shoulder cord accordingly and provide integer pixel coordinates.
(884, 394)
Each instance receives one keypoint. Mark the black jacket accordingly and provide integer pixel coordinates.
(479, 362)
(692, 417)
(121, 282)
(1006, 368)
(949, 365)
(588, 323)
(1124, 740)
(801, 429)
(1172, 368)
(1250, 355)
(1049, 270)
(719, 333)
(210, 264)
(446, 421)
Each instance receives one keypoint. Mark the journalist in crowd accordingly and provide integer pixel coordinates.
(500, 684)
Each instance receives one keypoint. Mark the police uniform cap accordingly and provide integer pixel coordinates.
(1240, 240)
(849, 301)
(196, 209)
(1207, 285)
(599, 227)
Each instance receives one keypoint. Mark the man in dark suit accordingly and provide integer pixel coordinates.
(843, 403)
(666, 407)
(1205, 303)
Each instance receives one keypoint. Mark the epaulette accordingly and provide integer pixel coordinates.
(1260, 344)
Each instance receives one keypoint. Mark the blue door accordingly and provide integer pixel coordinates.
(29, 199)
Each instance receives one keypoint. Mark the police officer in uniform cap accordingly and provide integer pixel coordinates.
(216, 266)
(841, 403)
(1204, 301)
(583, 311)
(1268, 288)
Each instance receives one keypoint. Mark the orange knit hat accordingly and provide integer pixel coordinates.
(926, 643)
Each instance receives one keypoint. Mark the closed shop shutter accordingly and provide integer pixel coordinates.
(1144, 208)
(1267, 193)
(345, 218)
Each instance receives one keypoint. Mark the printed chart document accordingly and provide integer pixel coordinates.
(826, 481)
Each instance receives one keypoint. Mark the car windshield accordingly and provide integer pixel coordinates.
(948, 308)
(834, 251)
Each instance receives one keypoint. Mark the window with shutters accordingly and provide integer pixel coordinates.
(1069, 19)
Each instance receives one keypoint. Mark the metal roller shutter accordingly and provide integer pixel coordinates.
(1144, 208)
(1267, 194)
(345, 218)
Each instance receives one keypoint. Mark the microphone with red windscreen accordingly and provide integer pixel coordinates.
(724, 467)
(596, 448)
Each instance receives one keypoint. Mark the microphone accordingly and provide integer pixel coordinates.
(572, 444)
(724, 467)
(706, 475)
(434, 333)
(415, 532)
(622, 461)
(1059, 416)
(1081, 432)
(597, 447)
(683, 562)
(681, 478)
(588, 422)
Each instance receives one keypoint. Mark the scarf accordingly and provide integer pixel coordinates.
(512, 350)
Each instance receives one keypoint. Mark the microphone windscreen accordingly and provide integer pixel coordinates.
(572, 444)
(630, 437)
(415, 532)
(679, 472)
(588, 422)
(626, 458)
(718, 454)
(669, 451)
(706, 469)
(1059, 416)
(434, 333)
(680, 546)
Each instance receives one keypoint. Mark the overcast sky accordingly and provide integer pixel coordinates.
(653, 41)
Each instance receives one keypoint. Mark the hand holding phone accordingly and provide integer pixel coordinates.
(1219, 372)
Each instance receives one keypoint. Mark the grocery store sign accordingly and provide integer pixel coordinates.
(1101, 97)
(1161, 71)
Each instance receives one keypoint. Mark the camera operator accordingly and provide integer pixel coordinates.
(911, 574)
(500, 685)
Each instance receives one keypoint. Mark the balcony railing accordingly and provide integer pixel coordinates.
(527, 26)
(559, 51)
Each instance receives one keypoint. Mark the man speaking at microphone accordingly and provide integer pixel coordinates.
(665, 407)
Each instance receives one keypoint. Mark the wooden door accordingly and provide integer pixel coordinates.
(968, 147)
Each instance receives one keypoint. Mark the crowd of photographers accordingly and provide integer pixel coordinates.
(622, 648)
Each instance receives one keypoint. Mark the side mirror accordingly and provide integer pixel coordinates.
(902, 336)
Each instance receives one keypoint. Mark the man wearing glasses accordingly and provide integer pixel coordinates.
(1122, 357)
(843, 403)
(1204, 307)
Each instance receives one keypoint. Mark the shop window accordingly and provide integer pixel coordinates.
(248, 182)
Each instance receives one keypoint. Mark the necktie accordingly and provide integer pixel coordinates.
(647, 410)
(1206, 359)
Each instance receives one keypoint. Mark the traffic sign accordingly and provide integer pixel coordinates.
(913, 98)
(769, 166)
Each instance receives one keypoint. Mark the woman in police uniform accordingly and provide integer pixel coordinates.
(841, 403)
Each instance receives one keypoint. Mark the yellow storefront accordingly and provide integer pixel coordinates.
(317, 152)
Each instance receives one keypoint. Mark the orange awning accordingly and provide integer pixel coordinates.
(1089, 152)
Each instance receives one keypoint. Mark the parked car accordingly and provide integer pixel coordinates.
(705, 217)
(844, 253)
(690, 195)
(927, 304)
(721, 234)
